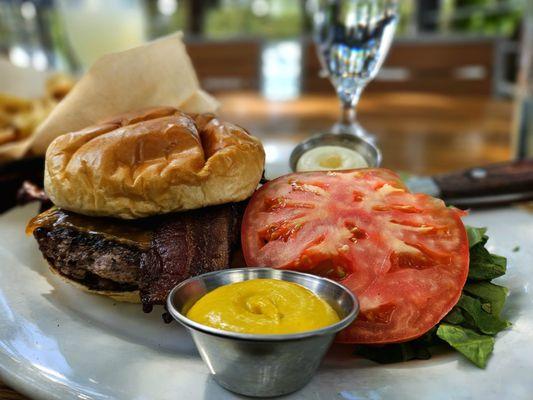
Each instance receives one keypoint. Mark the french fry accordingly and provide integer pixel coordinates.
(19, 117)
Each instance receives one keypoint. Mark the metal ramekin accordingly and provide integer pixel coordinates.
(261, 365)
(368, 150)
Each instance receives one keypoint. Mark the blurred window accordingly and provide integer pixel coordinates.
(281, 70)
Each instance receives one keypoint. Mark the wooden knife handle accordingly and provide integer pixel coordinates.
(496, 179)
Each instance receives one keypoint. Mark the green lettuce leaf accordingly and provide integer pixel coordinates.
(475, 235)
(480, 318)
(483, 265)
(393, 353)
(417, 349)
(477, 348)
(489, 294)
(455, 316)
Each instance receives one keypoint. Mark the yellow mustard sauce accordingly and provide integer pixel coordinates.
(263, 306)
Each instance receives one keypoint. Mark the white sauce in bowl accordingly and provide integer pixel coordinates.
(327, 158)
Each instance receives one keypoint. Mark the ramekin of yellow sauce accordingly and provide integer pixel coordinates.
(262, 332)
(263, 306)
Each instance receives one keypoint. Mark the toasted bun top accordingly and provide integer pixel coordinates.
(151, 162)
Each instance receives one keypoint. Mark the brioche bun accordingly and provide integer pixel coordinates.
(150, 162)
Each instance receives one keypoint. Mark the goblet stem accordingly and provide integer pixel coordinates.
(348, 114)
(349, 94)
(348, 122)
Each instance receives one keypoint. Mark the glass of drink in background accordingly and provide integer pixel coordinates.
(97, 27)
(352, 39)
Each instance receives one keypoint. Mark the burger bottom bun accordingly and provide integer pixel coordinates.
(121, 296)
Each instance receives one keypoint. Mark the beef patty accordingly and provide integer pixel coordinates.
(151, 254)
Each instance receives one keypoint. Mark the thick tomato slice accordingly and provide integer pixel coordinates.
(404, 255)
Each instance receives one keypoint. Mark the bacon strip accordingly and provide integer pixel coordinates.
(187, 245)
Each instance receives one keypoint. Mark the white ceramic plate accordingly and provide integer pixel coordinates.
(57, 342)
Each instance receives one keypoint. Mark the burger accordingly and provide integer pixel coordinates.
(145, 200)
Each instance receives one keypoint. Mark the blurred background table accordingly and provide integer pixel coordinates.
(419, 133)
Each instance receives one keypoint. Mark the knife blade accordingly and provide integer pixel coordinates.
(490, 185)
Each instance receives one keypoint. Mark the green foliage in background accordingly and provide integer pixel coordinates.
(284, 19)
(487, 17)
(281, 19)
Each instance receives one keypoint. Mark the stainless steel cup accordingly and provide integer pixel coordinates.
(368, 150)
(261, 365)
